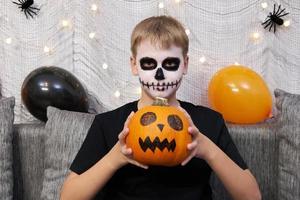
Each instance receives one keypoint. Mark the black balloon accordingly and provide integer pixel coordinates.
(53, 86)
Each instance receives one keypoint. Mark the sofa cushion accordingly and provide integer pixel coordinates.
(28, 153)
(258, 147)
(288, 106)
(66, 131)
(6, 154)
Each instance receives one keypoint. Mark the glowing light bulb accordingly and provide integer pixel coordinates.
(66, 23)
(264, 5)
(104, 66)
(92, 35)
(8, 40)
(161, 5)
(187, 31)
(117, 94)
(48, 50)
(236, 63)
(287, 23)
(202, 59)
(255, 35)
(94, 7)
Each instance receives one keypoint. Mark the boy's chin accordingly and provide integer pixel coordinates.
(162, 94)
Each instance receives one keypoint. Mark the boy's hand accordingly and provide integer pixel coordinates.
(120, 154)
(201, 146)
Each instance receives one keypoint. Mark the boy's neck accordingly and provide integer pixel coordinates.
(147, 100)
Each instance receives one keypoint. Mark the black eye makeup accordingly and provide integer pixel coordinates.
(148, 63)
(169, 63)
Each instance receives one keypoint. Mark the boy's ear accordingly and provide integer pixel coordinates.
(186, 63)
(133, 64)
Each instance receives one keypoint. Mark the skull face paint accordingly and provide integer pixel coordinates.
(160, 70)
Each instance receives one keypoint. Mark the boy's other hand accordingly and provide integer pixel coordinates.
(201, 146)
(120, 153)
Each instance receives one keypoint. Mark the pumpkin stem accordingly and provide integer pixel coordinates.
(159, 101)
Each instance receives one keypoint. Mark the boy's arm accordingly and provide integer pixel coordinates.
(88, 184)
(240, 183)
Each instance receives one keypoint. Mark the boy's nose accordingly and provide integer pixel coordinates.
(159, 74)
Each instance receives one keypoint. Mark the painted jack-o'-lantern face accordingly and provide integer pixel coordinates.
(158, 135)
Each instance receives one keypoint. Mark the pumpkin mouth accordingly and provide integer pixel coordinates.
(156, 143)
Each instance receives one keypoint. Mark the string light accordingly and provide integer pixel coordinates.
(161, 5)
(65, 23)
(187, 31)
(94, 7)
(202, 59)
(117, 94)
(104, 66)
(287, 23)
(92, 35)
(8, 40)
(264, 5)
(255, 36)
(48, 50)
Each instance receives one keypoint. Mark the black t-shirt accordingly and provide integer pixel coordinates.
(190, 182)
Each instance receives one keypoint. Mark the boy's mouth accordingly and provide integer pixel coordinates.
(160, 86)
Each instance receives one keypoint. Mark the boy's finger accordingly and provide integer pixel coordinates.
(188, 159)
(187, 115)
(128, 119)
(140, 165)
(192, 145)
(123, 135)
(193, 130)
(126, 151)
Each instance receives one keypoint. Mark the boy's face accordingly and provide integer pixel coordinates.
(160, 71)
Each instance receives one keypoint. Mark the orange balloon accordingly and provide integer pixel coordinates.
(240, 94)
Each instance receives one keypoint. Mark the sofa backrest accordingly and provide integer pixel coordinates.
(256, 143)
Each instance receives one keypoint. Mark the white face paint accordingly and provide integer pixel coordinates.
(160, 70)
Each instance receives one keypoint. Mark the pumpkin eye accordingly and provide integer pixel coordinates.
(148, 118)
(175, 122)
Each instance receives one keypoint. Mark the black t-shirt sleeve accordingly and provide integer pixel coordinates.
(226, 143)
(92, 149)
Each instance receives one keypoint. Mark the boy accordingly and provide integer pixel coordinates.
(104, 168)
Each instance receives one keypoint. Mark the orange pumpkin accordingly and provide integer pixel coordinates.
(158, 135)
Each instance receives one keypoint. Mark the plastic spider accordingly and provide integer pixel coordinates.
(26, 6)
(274, 19)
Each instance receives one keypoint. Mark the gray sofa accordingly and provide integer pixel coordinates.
(42, 153)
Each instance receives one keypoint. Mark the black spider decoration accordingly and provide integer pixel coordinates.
(26, 6)
(274, 19)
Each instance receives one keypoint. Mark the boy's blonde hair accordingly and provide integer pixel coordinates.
(162, 30)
